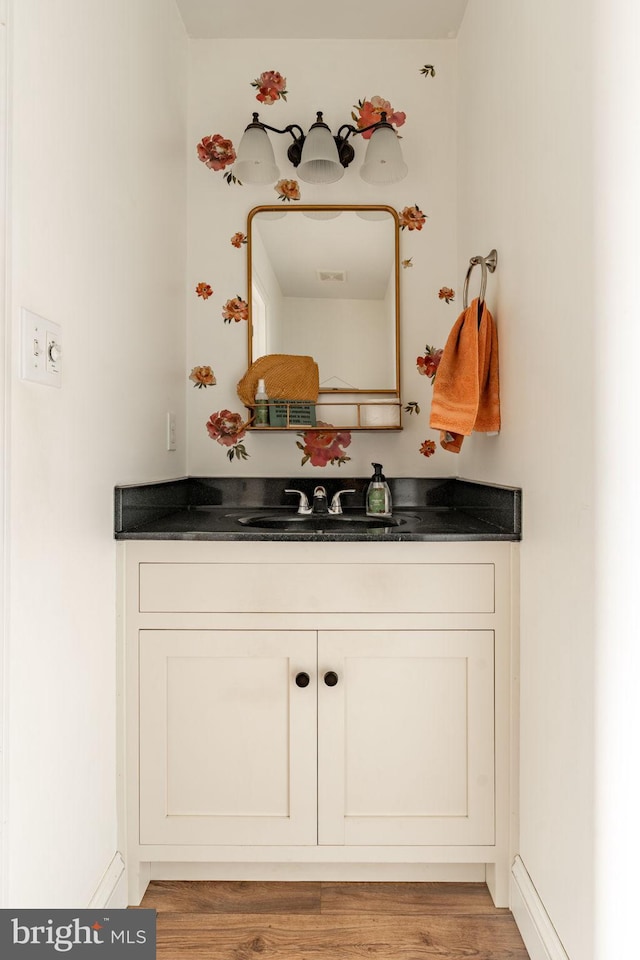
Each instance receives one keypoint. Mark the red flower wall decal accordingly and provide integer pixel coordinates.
(446, 293)
(238, 239)
(202, 377)
(204, 290)
(271, 86)
(412, 218)
(235, 309)
(321, 447)
(228, 429)
(428, 448)
(428, 365)
(370, 111)
(287, 189)
(216, 152)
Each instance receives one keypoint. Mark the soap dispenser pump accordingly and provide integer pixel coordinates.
(378, 494)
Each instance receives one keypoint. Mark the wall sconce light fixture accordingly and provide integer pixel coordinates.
(319, 156)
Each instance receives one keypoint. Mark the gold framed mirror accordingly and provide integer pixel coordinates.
(323, 281)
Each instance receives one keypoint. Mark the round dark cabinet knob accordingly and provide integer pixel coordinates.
(331, 678)
(302, 679)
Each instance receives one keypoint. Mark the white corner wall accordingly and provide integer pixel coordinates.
(97, 229)
(526, 187)
(617, 335)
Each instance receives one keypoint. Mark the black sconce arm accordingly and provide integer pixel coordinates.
(345, 150)
(349, 127)
(256, 122)
(295, 150)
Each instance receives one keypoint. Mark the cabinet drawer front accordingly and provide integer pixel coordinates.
(317, 587)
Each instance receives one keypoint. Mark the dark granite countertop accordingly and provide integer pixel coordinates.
(210, 508)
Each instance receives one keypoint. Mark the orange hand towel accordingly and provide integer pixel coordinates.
(466, 390)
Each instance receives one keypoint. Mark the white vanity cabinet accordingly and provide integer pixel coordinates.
(316, 706)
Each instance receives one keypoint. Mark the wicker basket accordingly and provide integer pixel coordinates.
(286, 377)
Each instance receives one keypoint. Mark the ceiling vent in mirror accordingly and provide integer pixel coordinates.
(337, 276)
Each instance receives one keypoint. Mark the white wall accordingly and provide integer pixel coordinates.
(98, 239)
(617, 335)
(265, 282)
(328, 75)
(336, 331)
(526, 187)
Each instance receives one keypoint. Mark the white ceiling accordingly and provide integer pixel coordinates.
(298, 247)
(324, 19)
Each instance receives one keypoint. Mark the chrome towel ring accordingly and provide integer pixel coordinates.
(487, 263)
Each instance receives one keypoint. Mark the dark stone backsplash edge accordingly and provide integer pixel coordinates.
(139, 504)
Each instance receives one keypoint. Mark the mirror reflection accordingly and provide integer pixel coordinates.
(323, 282)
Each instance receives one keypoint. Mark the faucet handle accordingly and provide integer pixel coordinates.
(303, 505)
(336, 504)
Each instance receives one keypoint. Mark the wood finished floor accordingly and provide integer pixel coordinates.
(212, 920)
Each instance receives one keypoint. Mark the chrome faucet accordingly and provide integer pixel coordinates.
(336, 503)
(320, 504)
(320, 501)
(303, 507)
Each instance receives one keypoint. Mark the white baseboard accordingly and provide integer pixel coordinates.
(112, 889)
(537, 931)
(388, 872)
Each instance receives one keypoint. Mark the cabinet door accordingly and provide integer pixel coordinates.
(406, 737)
(227, 737)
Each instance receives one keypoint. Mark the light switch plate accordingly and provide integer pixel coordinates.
(41, 349)
(171, 431)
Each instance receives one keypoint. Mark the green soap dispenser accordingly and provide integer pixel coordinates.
(378, 494)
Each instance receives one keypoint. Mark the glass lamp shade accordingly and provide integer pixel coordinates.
(321, 214)
(256, 162)
(383, 161)
(320, 162)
